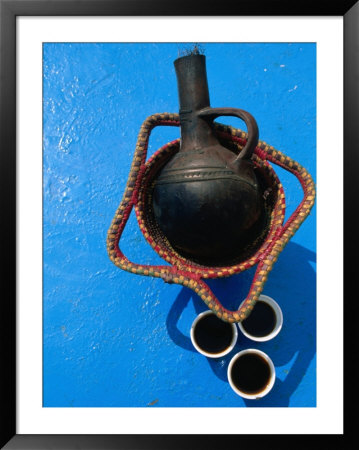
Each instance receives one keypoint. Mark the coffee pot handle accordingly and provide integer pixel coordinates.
(252, 127)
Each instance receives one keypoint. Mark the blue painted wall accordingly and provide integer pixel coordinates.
(112, 338)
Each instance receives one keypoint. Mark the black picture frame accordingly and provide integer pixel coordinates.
(9, 10)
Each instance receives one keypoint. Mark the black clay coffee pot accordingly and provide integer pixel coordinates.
(208, 200)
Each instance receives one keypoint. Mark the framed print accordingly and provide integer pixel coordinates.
(108, 284)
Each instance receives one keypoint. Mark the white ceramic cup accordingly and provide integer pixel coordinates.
(278, 321)
(264, 387)
(196, 345)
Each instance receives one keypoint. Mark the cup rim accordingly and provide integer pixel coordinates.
(203, 352)
(279, 321)
(269, 386)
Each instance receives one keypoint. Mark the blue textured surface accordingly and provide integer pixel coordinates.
(112, 338)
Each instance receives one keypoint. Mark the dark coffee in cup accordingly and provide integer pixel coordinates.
(251, 373)
(212, 336)
(262, 320)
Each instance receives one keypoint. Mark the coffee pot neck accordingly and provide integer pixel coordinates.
(196, 132)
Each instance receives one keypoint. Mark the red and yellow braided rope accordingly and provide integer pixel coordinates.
(182, 271)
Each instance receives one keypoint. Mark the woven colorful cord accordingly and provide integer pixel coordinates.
(180, 270)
